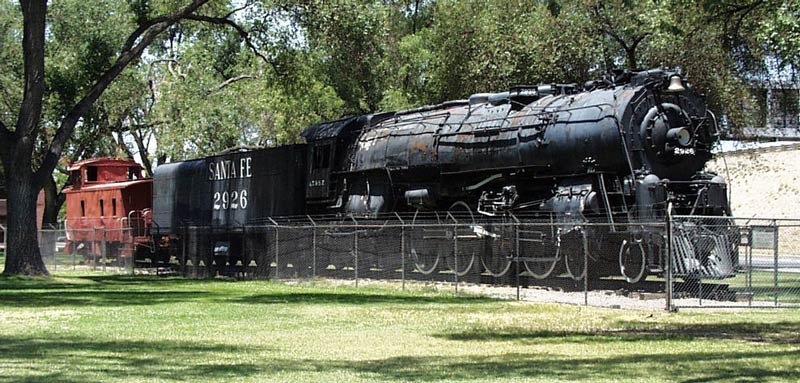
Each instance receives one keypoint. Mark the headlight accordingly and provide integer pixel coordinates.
(680, 136)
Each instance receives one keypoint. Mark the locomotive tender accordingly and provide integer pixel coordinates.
(613, 152)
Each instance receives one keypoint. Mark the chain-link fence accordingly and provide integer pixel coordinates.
(727, 262)
(580, 263)
(99, 249)
(714, 262)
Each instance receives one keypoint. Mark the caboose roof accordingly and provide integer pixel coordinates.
(108, 186)
(103, 161)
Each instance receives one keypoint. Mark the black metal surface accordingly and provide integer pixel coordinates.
(229, 191)
(526, 136)
(616, 153)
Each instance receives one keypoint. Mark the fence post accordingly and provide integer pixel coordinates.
(193, 251)
(313, 248)
(775, 253)
(749, 261)
(314, 252)
(132, 261)
(127, 266)
(585, 268)
(402, 251)
(700, 289)
(277, 255)
(455, 252)
(184, 239)
(103, 249)
(516, 254)
(72, 250)
(355, 243)
(403, 255)
(92, 250)
(55, 251)
(668, 245)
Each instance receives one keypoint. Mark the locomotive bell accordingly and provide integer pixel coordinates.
(675, 84)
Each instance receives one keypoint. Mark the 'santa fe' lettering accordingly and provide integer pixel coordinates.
(229, 169)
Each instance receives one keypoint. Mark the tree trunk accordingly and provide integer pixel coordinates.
(52, 203)
(143, 154)
(631, 56)
(22, 246)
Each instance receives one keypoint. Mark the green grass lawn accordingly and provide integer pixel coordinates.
(762, 286)
(93, 327)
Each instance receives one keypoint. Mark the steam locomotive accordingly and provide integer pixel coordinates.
(599, 162)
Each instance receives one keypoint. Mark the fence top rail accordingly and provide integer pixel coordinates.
(426, 224)
(779, 219)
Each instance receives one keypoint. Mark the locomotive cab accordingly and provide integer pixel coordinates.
(331, 144)
(319, 170)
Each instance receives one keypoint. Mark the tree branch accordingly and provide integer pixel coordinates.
(143, 154)
(607, 28)
(232, 80)
(136, 43)
(143, 27)
(243, 33)
(246, 5)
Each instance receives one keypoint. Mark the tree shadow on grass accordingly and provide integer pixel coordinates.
(78, 359)
(697, 366)
(121, 290)
(109, 290)
(772, 333)
(98, 298)
(357, 298)
(11, 283)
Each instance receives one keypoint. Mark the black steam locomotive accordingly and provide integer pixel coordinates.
(598, 162)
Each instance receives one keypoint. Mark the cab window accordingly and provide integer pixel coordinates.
(322, 156)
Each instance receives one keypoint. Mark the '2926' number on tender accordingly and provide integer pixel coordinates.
(230, 200)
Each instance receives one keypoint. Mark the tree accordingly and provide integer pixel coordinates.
(25, 172)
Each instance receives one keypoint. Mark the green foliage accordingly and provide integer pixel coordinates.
(780, 32)
(201, 88)
(10, 61)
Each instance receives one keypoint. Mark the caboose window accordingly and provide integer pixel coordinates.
(83, 209)
(91, 173)
(322, 156)
(75, 177)
(113, 207)
(102, 209)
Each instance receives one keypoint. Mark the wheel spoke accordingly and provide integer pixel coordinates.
(461, 258)
(572, 246)
(424, 245)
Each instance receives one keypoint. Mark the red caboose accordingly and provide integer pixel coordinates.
(108, 205)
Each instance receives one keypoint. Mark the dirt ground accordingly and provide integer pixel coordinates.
(763, 184)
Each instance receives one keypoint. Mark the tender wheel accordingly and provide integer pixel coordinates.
(461, 260)
(427, 242)
(502, 246)
(540, 253)
(573, 244)
(632, 262)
